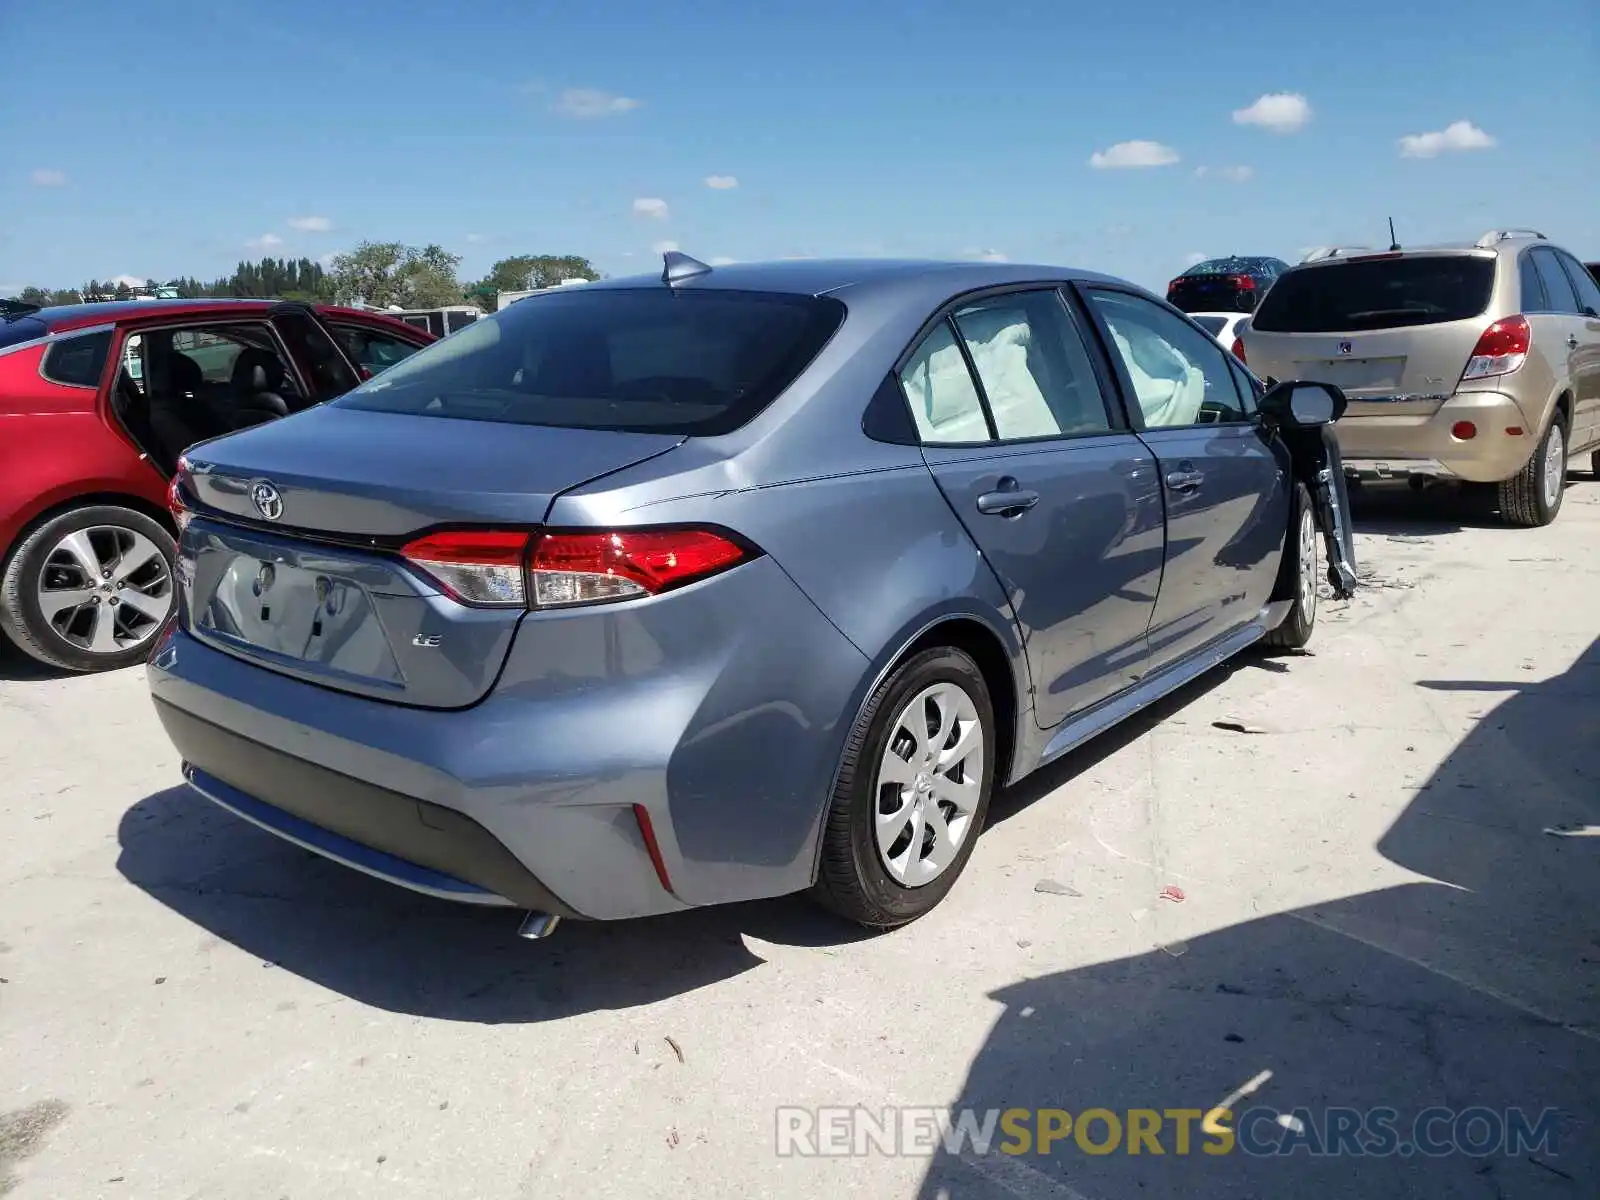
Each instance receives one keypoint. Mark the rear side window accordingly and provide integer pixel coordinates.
(1557, 288)
(77, 361)
(646, 360)
(1583, 283)
(1212, 325)
(1388, 293)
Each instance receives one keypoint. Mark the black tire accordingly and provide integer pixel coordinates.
(1522, 500)
(1297, 627)
(21, 616)
(852, 879)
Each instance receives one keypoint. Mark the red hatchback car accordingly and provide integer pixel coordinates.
(97, 401)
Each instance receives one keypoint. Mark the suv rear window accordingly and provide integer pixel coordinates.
(646, 360)
(1387, 293)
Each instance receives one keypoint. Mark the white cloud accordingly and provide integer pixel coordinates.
(310, 224)
(474, 238)
(664, 247)
(651, 206)
(1281, 112)
(1458, 135)
(587, 104)
(721, 183)
(47, 177)
(265, 242)
(130, 280)
(327, 260)
(1194, 257)
(722, 260)
(1133, 154)
(995, 256)
(1231, 174)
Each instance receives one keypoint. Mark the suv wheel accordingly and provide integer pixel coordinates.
(913, 792)
(89, 589)
(1532, 497)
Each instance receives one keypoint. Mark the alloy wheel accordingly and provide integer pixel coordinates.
(105, 589)
(929, 783)
(1308, 564)
(1553, 476)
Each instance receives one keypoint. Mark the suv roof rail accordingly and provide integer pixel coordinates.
(1495, 236)
(1322, 253)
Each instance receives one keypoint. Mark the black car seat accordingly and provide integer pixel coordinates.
(257, 382)
(178, 413)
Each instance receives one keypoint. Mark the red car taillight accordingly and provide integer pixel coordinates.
(1244, 283)
(1502, 349)
(1238, 349)
(508, 568)
(176, 505)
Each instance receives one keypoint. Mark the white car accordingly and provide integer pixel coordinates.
(1225, 327)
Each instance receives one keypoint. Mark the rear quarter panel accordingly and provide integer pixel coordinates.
(56, 446)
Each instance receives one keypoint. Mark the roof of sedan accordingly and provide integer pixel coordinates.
(819, 276)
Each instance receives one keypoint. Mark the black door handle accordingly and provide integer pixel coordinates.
(1006, 503)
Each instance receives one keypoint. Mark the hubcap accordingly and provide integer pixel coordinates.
(1555, 466)
(1308, 565)
(928, 784)
(105, 589)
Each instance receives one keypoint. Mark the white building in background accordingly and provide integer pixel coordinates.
(506, 298)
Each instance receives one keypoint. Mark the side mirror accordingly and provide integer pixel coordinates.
(1302, 404)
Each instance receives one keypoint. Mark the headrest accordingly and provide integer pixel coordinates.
(257, 371)
(184, 373)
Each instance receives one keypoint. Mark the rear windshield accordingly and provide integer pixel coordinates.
(1233, 266)
(1387, 293)
(647, 360)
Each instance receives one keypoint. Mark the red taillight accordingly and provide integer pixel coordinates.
(494, 568)
(1173, 286)
(647, 831)
(480, 566)
(589, 568)
(1502, 349)
(175, 503)
(1238, 349)
(1244, 282)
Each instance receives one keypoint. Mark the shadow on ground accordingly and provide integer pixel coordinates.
(405, 953)
(385, 946)
(1479, 989)
(17, 667)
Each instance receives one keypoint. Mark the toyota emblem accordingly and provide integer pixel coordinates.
(267, 500)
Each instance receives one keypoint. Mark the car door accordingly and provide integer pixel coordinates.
(1225, 482)
(321, 362)
(1585, 356)
(1036, 459)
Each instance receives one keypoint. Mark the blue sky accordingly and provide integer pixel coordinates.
(162, 138)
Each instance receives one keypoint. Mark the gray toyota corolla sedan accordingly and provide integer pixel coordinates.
(679, 590)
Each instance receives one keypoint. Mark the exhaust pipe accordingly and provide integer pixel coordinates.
(537, 925)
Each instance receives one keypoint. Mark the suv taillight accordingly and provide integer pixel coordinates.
(1238, 349)
(1502, 349)
(512, 569)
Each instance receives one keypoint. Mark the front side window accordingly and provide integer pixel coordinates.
(1180, 376)
(647, 360)
(944, 401)
(370, 350)
(77, 361)
(1031, 362)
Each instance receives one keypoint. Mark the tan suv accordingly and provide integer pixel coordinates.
(1479, 363)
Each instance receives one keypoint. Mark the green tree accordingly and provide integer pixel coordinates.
(521, 272)
(389, 273)
(34, 295)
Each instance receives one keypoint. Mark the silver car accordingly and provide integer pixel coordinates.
(668, 592)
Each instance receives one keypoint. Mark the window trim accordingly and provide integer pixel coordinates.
(50, 344)
(1130, 396)
(1116, 418)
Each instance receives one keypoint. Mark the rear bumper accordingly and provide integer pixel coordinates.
(686, 705)
(1376, 446)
